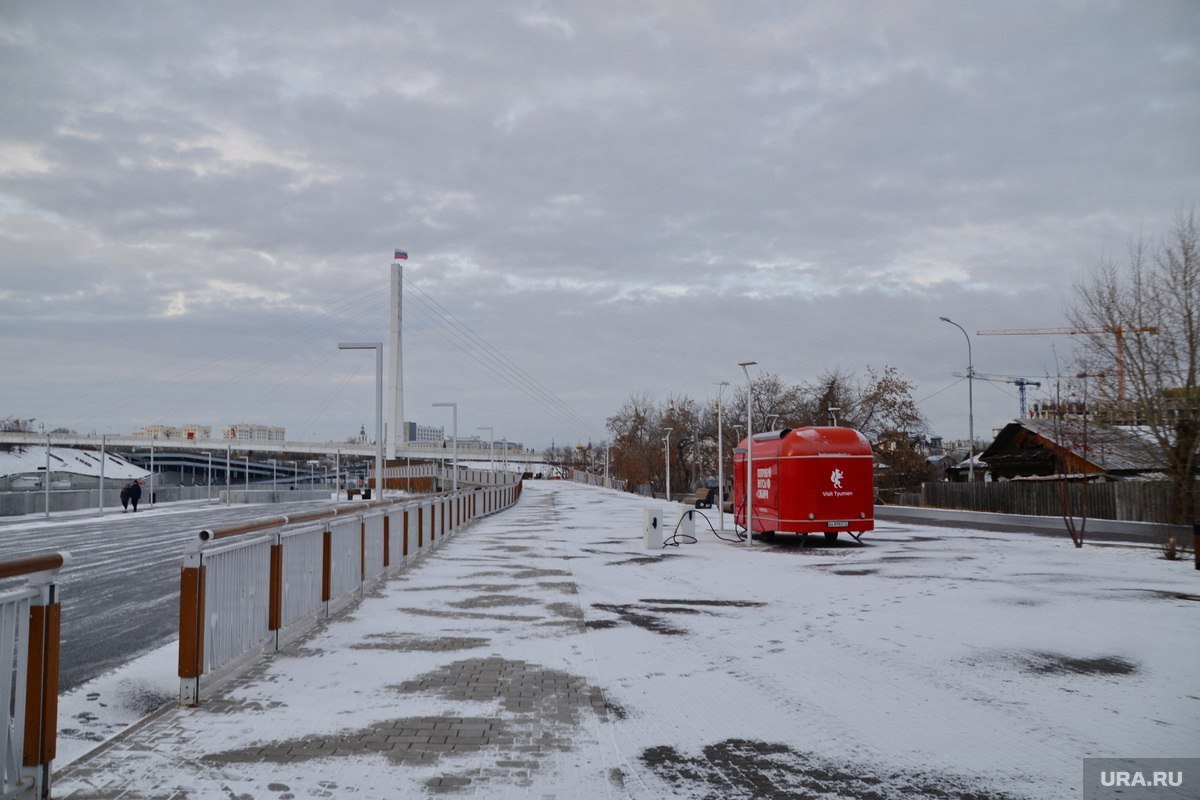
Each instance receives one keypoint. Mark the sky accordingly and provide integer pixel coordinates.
(199, 201)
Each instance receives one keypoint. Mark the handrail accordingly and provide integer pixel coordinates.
(246, 597)
(27, 565)
(29, 668)
(266, 523)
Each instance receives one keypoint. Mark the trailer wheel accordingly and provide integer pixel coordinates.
(831, 536)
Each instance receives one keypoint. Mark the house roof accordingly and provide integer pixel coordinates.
(1107, 448)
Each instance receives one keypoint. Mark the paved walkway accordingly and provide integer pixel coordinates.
(370, 704)
(542, 652)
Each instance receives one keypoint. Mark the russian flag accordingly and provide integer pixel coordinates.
(400, 256)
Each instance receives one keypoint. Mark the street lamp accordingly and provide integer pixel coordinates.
(274, 471)
(668, 441)
(378, 348)
(492, 444)
(454, 406)
(103, 457)
(970, 401)
(720, 458)
(209, 493)
(745, 365)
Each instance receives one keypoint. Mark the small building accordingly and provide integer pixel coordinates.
(1033, 447)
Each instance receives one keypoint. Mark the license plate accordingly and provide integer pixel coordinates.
(839, 524)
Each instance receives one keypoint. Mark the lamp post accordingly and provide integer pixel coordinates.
(274, 474)
(103, 443)
(312, 473)
(454, 406)
(247, 476)
(209, 492)
(970, 402)
(720, 458)
(745, 365)
(228, 473)
(378, 348)
(668, 441)
(152, 473)
(491, 443)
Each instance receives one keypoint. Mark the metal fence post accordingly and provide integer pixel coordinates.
(41, 696)
(191, 627)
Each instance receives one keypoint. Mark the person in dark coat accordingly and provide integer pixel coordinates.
(135, 494)
(125, 497)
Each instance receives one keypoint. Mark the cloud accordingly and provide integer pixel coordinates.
(600, 191)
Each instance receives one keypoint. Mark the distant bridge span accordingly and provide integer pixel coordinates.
(415, 451)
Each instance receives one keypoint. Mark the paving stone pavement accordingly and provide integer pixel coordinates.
(371, 703)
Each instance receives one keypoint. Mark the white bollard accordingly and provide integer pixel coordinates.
(652, 526)
(687, 523)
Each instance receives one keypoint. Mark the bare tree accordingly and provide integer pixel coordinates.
(636, 430)
(1143, 322)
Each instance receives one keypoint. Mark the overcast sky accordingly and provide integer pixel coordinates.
(198, 201)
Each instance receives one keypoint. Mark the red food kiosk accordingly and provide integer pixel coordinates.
(807, 480)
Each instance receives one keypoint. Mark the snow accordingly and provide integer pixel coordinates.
(32, 460)
(986, 664)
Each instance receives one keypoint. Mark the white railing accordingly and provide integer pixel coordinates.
(300, 574)
(235, 581)
(346, 552)
(29, 639)
(246, 589)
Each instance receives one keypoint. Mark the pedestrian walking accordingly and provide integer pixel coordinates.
(125, 497)
(135, 494)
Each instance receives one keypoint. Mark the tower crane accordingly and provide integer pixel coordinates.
(1021, 383)
(1117, 331)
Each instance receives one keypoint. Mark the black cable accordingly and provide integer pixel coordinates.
(676, 538)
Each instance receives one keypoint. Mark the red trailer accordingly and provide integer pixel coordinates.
(807, 480)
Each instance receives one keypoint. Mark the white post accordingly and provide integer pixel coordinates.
(970, 402)
(668, 441)
(396, 378)
(46, 480)
(453, 406)
(228, 473)
(745, 365)
(152, 473)
(378, 348)
(209, 492)
(103, 443)
(720, 458)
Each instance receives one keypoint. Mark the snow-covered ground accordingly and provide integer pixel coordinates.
(31, 461)
(931, 662)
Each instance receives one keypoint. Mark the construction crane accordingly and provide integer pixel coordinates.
(1116, 330)
(1021, 383)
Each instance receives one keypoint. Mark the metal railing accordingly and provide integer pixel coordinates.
(30, 616)
(247, 589)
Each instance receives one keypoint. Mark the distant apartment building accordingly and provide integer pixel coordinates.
(424, 434)
(244, 432)
(172, 432)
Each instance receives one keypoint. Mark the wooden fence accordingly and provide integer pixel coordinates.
(1135, 501)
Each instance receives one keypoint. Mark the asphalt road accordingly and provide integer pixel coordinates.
(120, 593)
